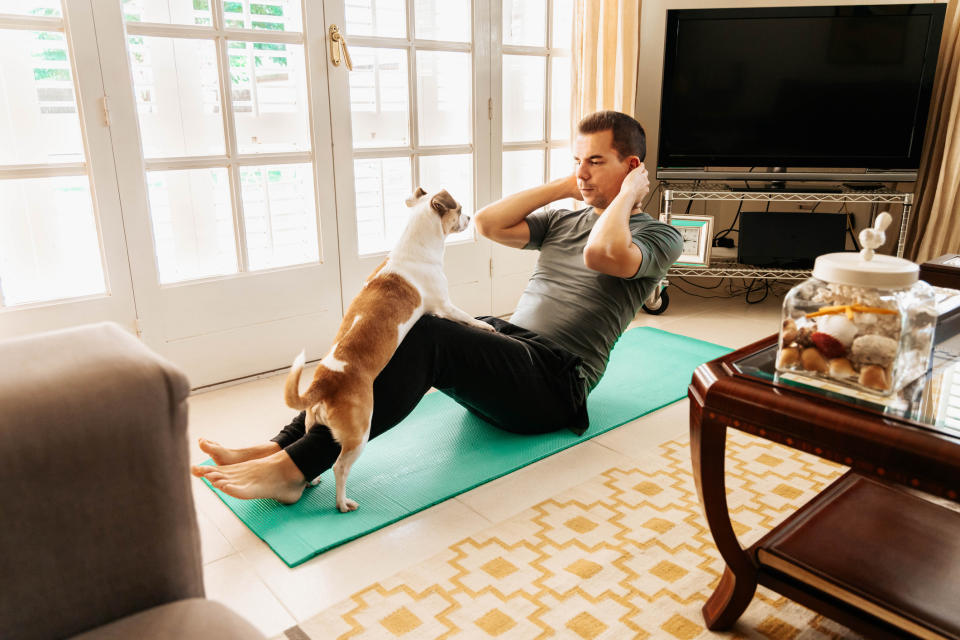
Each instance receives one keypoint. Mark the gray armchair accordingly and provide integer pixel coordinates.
(98, 533)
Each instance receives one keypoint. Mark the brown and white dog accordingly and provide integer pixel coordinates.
(407, 285)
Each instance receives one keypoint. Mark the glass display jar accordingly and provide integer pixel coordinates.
(863, 321)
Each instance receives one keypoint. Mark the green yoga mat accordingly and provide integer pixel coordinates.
(398, 475)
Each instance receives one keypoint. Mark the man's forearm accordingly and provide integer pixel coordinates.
(510, 210)
(611, 234)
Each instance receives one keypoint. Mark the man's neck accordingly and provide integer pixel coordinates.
(637, 209)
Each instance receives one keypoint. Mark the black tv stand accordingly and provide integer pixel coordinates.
(791, 190)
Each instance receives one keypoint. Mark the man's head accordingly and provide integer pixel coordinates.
(608, 146)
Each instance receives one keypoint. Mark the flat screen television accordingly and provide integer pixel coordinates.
(828, 86)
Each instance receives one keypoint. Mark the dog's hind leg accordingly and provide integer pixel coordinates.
(350, 449)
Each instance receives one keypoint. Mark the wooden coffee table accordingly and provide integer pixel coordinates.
(875, 550)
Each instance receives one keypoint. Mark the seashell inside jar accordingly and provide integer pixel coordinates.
(848, 323)
(847, 343)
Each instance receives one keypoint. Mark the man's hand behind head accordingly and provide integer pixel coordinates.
(636, 184)
(572, 190)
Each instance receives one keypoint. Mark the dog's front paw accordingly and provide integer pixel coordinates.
(483, 325)
(347, 505)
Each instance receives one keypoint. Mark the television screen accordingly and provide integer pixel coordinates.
(841, 86)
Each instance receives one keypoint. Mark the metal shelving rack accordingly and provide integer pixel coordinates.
(719, 192)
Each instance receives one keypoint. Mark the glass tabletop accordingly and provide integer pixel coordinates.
(932, 401)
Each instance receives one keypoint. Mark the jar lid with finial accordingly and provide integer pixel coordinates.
(868, 268)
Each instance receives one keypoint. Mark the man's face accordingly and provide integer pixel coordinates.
(599, 169)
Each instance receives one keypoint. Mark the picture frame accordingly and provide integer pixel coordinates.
(697, 232)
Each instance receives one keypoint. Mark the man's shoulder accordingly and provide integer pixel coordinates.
(642, 220)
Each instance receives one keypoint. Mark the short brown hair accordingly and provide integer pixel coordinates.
(628, 136)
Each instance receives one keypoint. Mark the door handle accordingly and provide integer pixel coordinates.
(338, 45)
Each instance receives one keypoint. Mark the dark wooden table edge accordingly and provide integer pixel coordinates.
(859, 439)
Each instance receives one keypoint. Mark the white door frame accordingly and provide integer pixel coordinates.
(511, 269)
(467, 263)
(117, 304)
(234, 326)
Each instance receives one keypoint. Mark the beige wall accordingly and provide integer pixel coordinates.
(652, 31)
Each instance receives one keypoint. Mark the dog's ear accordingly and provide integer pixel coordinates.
(416, 195)
(443, 202)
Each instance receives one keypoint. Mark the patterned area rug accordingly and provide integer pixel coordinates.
(624, 555)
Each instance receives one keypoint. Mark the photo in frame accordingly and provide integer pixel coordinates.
(697, 232)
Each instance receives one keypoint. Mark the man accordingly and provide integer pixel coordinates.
(596, 267)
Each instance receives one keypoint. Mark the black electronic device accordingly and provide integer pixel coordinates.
(789, 240)
(812, 87)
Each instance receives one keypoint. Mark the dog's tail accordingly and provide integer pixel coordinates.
(291, 390)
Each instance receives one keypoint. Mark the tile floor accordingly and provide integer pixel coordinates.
(242, 572)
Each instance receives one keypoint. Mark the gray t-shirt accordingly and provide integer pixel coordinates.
(582, 310)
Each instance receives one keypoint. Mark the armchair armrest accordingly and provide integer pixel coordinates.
(97, 513)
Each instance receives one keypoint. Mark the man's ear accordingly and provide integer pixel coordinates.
(443, 202)
(634, 162)
(416, 195)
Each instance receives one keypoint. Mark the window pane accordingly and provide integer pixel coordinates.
(178, 96)
(38, 107)
(168, 11)
(561, 162)
(525, 22)
(267, 15)
(562, 35)
(387, 18)
(560, 98)
(280, 216)
(49, 245)
(270, 100)
(379, 101)
(523, 98)
(522, 170)
(444, 99)
(561, 165)
(455, 174)
(382, 186)
(31, 7)
(192, 224)
(443, 20)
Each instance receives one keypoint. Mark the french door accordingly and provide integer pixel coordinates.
(219, 115)
(412, 112)
(203, 173)
(533, 125)
(63, 255)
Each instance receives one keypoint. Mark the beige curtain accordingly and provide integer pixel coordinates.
(606, 44)
(935, 226)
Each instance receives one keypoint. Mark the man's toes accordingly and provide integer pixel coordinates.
(209, 446)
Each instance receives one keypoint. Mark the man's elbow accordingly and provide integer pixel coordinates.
(592, 257)
(622, 264)
(481, 221)
(599, 258)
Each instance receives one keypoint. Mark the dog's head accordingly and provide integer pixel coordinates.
(442, 204)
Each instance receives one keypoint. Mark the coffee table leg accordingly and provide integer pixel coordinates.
(739, 582)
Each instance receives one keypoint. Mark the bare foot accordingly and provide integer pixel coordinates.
(223, 455)
(273, 477)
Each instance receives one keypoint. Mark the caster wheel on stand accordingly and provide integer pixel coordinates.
(658, 307)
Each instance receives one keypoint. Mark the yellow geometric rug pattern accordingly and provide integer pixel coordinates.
(624, 555)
